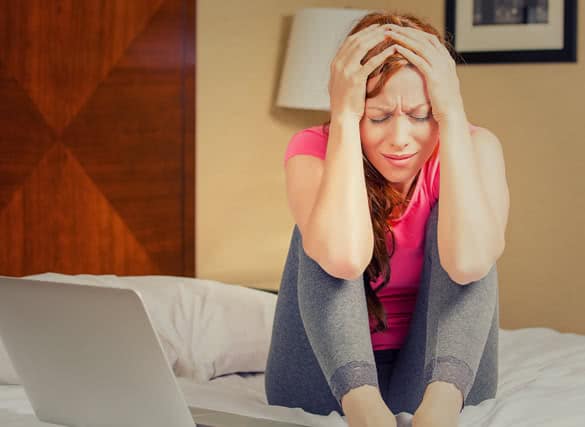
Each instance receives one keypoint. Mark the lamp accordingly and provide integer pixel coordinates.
(316, 35)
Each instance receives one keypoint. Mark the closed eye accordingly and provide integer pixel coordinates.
(418, 119)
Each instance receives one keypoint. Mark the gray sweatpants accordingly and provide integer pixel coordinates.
(321, 345)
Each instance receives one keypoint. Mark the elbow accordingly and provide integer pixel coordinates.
(342, 267)
(463, 276)
(344, 264)
(359, 262)
(347, 271)
(471, 269)
(458, 272)
(349, 268)
(466, 273)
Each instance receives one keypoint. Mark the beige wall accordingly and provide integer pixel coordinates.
(243, 222)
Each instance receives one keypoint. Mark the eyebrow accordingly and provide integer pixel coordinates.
(383, 108)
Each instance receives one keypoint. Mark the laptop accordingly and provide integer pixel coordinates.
(88, 356)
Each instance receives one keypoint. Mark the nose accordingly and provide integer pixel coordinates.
(399, 132)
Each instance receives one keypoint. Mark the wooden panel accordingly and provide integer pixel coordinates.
(25, 137)
(60, 50)
(98, 171)
(60, 186)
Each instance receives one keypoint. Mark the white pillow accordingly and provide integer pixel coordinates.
(207, 328)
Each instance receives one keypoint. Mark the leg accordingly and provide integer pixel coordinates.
(485, 385)
(453, 335)
(321, 345)
(385, 361)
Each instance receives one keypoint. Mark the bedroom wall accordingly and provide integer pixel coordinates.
(243, 224)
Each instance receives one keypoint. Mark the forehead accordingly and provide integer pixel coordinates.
(406, 86)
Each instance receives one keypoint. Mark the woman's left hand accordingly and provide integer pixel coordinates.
(433, 60)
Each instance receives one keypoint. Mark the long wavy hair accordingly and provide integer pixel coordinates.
(385, 203)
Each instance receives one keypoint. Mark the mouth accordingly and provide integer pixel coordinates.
(400, 157)
(403, 160)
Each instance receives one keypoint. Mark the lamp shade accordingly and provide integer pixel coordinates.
(316, 35)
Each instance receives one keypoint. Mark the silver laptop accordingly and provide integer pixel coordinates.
(88, 356)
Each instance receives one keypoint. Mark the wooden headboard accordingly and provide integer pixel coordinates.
(97, 159)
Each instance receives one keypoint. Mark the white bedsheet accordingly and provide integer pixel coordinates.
(541, 383)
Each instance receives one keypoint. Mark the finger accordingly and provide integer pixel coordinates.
(346, 51)
(349, 40)
(384, 30)
(415, 60)
(371, 29)
(375, 61)
(412, 44)
(367, 35)
(361, 33)
(416, 34)
(363, 46)
(429, 47)
(365, 30)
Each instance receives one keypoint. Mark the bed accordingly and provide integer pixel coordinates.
(201, 323)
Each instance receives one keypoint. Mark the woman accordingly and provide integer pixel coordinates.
(389, 298)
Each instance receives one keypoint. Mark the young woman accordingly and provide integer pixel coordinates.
(389, 297)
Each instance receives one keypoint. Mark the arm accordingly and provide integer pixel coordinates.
(339, 227)
(472, 203)
(474, 200)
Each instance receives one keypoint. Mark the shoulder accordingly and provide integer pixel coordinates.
(311, 136)
(482, 140)
(433, 164)
(483, 135)
(489, 155)
(309, 141)
(314, 133)
(479, 135)
(485, 141)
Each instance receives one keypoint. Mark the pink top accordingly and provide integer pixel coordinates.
(399, 296)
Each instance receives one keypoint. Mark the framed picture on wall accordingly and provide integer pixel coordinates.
(500, 31)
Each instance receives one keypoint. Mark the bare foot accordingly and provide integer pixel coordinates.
(440, 407)
(364, 407)
(435, 417)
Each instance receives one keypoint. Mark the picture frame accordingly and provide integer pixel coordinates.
(511, 31)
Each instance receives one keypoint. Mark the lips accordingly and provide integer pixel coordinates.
(401, 157)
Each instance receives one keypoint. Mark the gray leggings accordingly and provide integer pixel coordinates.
(321, 345)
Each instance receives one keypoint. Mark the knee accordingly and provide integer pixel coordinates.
(433, 220)
(431, 229)
(296, 238)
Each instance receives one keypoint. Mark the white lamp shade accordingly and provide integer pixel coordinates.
(316, 35)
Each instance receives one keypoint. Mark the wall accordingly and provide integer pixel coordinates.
(243, 223)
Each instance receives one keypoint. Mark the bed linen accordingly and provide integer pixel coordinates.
(541, 383)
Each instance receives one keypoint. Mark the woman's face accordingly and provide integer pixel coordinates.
(398, 121)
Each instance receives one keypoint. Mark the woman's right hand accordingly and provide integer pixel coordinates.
(347, 82)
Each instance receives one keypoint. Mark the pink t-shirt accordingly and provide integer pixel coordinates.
(399, 296)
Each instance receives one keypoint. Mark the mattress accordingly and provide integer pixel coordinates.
(541, 383)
